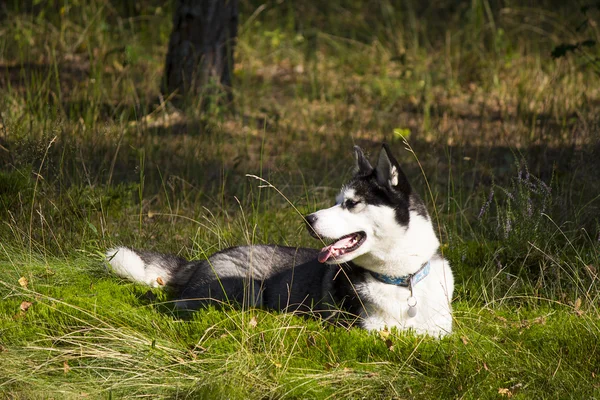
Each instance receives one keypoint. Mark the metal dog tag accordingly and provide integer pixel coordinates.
(412, 306)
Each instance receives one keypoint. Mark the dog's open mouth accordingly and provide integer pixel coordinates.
(343, 245)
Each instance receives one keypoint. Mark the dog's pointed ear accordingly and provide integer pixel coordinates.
(389, 172)
(363, 166)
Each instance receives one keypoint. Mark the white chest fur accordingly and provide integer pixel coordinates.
(387, 305)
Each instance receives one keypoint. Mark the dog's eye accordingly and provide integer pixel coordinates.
(350, 203)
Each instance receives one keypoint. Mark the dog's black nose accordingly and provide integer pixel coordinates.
(310, 220)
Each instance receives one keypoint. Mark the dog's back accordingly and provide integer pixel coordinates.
(274, 277)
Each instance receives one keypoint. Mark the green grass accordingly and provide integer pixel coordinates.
(505, 137)
(88, 333)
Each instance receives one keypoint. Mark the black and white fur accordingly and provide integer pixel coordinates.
(378, 224)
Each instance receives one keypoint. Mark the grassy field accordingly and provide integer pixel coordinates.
(503, 146)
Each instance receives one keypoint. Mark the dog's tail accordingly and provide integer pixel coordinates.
(152, 269)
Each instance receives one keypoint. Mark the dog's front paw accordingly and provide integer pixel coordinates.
(373, 323)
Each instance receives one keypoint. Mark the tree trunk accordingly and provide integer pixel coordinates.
(200, 56)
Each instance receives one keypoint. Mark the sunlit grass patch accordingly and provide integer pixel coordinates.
(95, 335)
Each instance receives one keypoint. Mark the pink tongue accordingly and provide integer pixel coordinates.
(333, 249)
(325, 254)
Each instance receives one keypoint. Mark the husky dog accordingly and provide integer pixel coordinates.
(382, 266)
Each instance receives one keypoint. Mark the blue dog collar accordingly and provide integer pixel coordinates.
(408, 281)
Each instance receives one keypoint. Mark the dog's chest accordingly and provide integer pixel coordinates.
(387, 306)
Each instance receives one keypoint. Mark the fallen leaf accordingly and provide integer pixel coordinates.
(160, 281)
(505, 392)
(485, 367)
(464, 340)
(253, 322)
(23, 282)
(66, 367)
(389, 344)
(578, 304)
(25, 305)
(384, 333)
